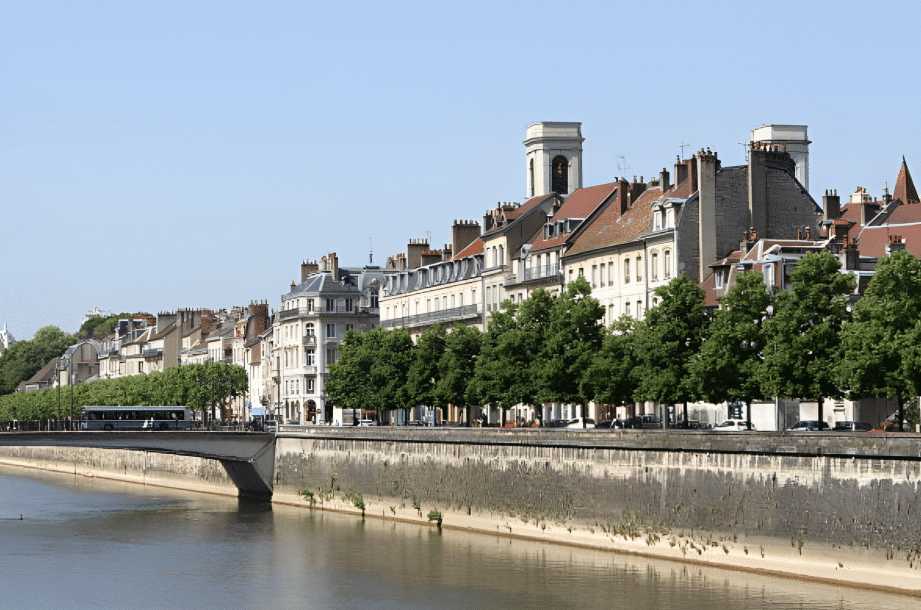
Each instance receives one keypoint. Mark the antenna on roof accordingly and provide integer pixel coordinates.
(745, 146)
(624, 161)
(370, 252)
(682, 147)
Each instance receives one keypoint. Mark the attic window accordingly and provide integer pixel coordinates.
(657, 220)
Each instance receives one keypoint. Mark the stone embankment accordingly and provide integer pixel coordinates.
(826, 507)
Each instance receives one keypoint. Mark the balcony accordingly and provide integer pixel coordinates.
(152, 353)
(309, 340)
(548, 272)
(456, 314)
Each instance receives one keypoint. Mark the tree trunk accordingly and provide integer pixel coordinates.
(821, 419)
(898, 397)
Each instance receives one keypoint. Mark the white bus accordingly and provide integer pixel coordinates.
(137, 418)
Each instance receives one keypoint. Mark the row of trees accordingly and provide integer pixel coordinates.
(807, 343)
(199, 386)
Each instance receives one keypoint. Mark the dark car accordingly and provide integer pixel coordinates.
(606, 423)
(852, 426)
(809, 425)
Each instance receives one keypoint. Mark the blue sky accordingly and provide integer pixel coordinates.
(157, 155)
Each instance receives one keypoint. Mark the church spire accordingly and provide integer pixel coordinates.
(905, 186)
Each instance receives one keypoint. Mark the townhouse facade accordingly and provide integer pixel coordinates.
(311, 322)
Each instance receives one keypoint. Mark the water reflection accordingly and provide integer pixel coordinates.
(89, 543)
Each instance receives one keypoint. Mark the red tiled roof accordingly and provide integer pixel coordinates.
(610, 228)
(904, 214)
(873, 240)
(905, 186)
(475, 248)
(513, 214)
(578, 205)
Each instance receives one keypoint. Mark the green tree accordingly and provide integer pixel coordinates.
(729, 367)
(609, 378)
(506, 372)
(424, 371)
(572, 337)
(668, 341)
(214, 383)
(457, 366)
(372, 370)
(25, 358)
(803, 337)
(881, 344)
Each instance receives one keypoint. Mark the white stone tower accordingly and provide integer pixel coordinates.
(554, 158)
(789, 138)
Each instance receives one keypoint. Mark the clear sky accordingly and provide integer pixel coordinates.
(159, 155)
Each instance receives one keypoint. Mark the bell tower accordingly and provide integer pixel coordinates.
(553, 153)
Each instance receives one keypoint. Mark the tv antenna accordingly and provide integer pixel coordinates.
(682, 147)
(622, 168)
(745, 146)
(370, 252)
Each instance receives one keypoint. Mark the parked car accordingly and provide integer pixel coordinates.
(577, 423)
(733, 425)
(606, 423)
(367, 422)
(809, 425)
(852, 426)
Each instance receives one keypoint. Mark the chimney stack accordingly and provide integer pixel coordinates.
(663, 180)
(831, 204)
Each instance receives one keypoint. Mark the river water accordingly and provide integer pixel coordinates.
(96, 544)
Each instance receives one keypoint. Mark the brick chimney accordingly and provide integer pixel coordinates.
(260, 313)
(623, 195)
(707, 164)
(309, 268)
(663, 180)
(831, 204)
(463, 233)
(414, 250)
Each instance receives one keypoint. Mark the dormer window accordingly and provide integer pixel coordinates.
(719, 278)
(657, 219)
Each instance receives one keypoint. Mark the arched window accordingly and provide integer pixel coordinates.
(559, 175)
(654, 265)
(531, 177)
(627, 271)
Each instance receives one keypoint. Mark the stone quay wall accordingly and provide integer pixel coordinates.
(143, 467)
(851, 495)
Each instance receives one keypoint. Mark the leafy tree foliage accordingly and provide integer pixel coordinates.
(25, 358)
(609, 378)
(668, 341)
(99, 328)
(882, 356)
(196, 385)
(804, 335)
(729, 367)
(507, 367)
(457, 365)
(372, 370)
(424, 371)
(570, 340)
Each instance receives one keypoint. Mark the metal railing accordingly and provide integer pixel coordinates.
(445, 315)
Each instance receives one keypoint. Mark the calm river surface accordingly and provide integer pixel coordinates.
(89, 543)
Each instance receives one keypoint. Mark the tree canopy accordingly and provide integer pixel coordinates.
(25, 358)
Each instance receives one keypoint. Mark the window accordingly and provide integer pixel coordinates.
(330, 304)
(670, 218)
(601, 276)
(531, 177)
(559, 175)
(501, 260)
(309, 384)
(639, 309)
(286, 388)
(348, 304)
(331, 355)
(768, 274)
(627, 308)
(349, 327)
(594, 275)
(331, 331)
(375, 303)
(627, 272)
(718, 278)
(639, 268)
(309, 305)
(654, 265)
(611, 274)
(308, 329)
(657, 220)
(140, 367)
(310, 358)
(668, 264)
